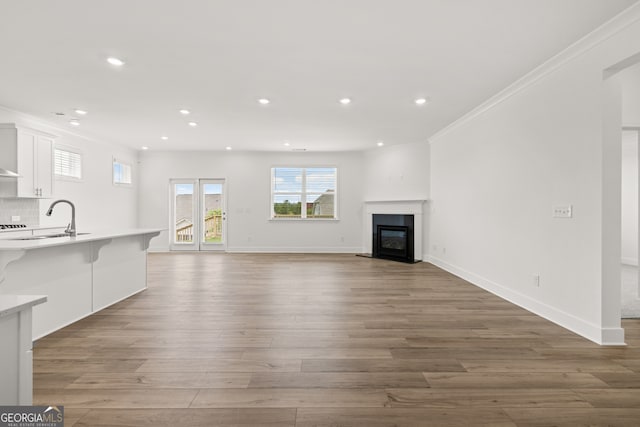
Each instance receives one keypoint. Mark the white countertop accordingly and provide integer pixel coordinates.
(13, 303)
(9, 244)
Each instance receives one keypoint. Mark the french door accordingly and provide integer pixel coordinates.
(198, 214)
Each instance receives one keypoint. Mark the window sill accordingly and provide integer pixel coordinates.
(67, 179)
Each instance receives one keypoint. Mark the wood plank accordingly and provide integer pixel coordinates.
(484, 398)
(381, 365)
(514, 380)
(160, 417)
(156, 380)
(54, 380)
(338, 380)
(491, 353)
(220, 365)
(525, 365)
(91, 398)
(290, 398)
(317, 353)
(475, 342)
(612, 398)
(86, 365)
(312, 341)
(619, 380)
(406, 417)
(592, 417)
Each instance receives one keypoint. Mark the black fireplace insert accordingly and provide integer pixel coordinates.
(393, 237)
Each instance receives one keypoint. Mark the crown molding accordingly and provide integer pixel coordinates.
(607, 30)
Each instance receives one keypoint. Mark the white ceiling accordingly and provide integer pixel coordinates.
(217, 58)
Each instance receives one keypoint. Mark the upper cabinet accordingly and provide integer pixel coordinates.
(28, 152)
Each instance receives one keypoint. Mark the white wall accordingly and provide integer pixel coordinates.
(399, 172)
(248, 176)
(630, 197)
(99, 204)
(630, 80)
(497, 173)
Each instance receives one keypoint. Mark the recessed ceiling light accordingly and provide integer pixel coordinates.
(164, 138)
(193, 124)
(144, 147)
(185, 112)
(421, 101)
(286, 143)
(81, 112)
(345, 101)
(380, 143)
(115, 61)
(74, 123)
(263, 101)
(228, 148)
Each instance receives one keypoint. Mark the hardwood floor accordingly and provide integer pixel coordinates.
(328, 340)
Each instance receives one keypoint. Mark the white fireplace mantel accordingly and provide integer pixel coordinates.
(395, 207)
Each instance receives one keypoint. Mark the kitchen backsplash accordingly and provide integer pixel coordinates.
(27, 209)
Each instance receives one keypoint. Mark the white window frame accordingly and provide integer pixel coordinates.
(303, 194)
(113, 173)
(72, 150)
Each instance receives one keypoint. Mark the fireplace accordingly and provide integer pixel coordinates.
(393, 237)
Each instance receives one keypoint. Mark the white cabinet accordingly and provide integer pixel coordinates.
(30, 153)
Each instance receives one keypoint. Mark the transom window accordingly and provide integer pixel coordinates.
(304, 193)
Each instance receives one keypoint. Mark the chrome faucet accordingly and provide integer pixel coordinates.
(71, 228)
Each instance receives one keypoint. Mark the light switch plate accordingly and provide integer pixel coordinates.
(563, 211)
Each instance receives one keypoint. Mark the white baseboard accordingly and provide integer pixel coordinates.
(599, 335)
(279, 249)
(630, 261)
(296, 250)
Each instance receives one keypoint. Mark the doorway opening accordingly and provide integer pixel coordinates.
(198, 215)
(630, 272)
(629, 78)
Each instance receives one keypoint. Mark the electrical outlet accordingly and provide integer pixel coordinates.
(563, 211)
(444, 250)
(536, 280)
(15, 218)
(434, 247)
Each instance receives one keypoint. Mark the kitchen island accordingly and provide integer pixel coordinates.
(79, 275)
(16, 356)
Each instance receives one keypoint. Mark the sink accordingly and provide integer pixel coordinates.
(46, 236)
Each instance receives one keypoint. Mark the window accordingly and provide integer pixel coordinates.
(67, 163)
(303, 193)
(121, 173)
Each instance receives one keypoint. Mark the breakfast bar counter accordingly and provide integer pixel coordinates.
(79, 275)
